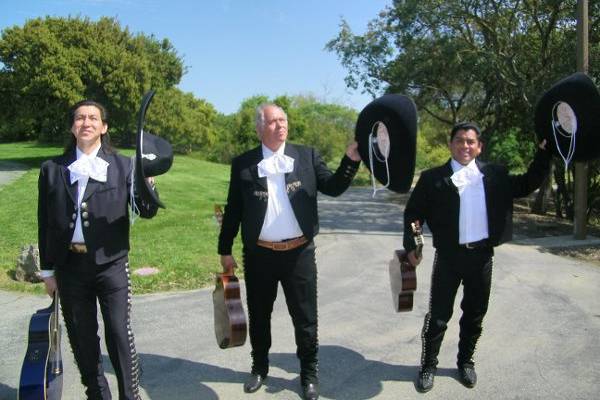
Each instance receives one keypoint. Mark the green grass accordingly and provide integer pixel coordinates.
(181, 241)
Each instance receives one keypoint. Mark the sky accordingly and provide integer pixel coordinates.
(234, 49)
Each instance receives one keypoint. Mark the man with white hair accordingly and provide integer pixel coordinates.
(273, 195)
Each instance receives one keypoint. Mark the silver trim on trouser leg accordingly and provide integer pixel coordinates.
(135, 375)
(428, 315)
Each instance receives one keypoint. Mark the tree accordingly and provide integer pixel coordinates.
(328, 127)
(186, 122)
(481, 60)
(51, 63)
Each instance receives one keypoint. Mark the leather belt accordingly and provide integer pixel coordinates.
(79, 248)
(283, 245)
(475, 245)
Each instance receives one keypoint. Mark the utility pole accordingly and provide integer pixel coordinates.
(581, 167)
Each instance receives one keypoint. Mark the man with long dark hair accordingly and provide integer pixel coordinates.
(83, 228)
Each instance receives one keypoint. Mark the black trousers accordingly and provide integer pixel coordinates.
(472, 267)
(297, 271)
(82, 284)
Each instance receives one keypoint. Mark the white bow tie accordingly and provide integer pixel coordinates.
(276, 164)
(87, 167)
(466, 176)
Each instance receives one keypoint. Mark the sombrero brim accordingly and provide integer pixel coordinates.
(399, 114)
(143, 189)
(580, 93)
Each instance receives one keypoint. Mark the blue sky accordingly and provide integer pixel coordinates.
(234, 49)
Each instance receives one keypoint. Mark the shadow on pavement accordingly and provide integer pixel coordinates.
(176, 378)
(345, 374)
(7, 392)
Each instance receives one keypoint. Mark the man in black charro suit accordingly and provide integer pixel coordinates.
(273, 195)
(468, 206)
(83, 227)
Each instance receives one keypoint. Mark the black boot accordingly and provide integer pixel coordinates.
(425, 379)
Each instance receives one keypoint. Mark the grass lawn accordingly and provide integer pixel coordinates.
(181, 241)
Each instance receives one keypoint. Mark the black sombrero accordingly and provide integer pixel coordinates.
(568, 117)
(387, 129)
(153, 156)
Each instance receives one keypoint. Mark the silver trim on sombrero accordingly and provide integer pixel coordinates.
(564, 123)
(379, 147)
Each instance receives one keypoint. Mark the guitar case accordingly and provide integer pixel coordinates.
(41, 373)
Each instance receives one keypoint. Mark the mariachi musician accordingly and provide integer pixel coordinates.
(467, 205)
(83, 227)
(273, 195)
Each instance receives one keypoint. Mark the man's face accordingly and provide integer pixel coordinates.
(88, 126)
(273, 132)
(465, 146)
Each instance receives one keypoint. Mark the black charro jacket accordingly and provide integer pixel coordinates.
(435, 201)
(248, 194)
(107, 233)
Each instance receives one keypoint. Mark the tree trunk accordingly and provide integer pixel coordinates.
(564, 200)
(540, 205)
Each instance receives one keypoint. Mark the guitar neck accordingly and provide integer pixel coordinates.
(55, 357)
(418, 238)
(419, 250)
(55, 326)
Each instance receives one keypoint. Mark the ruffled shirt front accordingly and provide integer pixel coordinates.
(472, 221)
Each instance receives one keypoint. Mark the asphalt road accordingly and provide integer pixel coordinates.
(541, 337)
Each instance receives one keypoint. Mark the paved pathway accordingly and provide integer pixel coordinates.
(541, 336)
(10, 171)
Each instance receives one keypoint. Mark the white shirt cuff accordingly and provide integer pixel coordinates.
(47, 273)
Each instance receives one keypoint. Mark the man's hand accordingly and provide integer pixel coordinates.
(412, 258)
(228, 264)
(150, 180)
(542, 145)
(352, 151)
(50, 283)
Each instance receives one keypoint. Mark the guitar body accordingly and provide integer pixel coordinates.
(403, 281)
(230, 318)
(41, 373)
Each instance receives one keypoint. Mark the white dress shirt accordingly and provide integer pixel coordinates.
(86, 166)
(280, 221)
(472, 221)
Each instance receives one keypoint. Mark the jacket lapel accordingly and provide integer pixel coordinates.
(292, 151)
(257, 157)
(487, 179)
(71, 189)
(447, 173)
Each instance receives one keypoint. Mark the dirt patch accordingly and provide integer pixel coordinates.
(528, 225)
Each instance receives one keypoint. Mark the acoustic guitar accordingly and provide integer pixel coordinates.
(403, 276)
(41, 373)
(230, 318)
